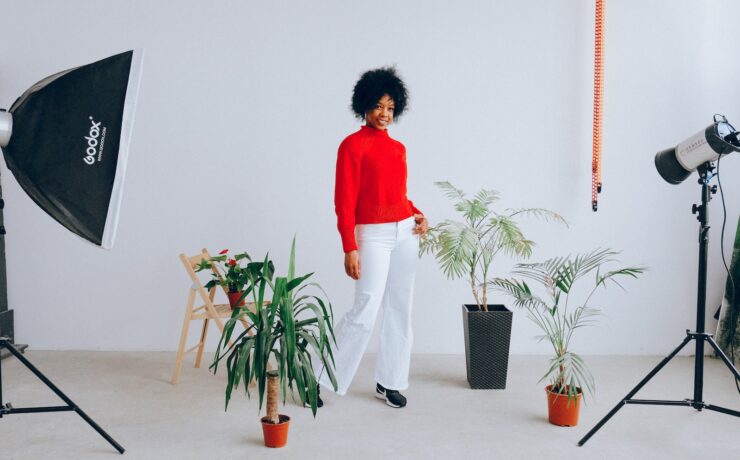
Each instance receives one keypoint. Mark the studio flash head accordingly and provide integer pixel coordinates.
(677, 163)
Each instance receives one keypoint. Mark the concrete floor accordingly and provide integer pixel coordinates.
(130, 396)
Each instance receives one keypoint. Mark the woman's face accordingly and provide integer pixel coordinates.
(382, 115)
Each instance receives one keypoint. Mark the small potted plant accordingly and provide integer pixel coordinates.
(467, 249)
(293, 329)
(234, 278)
(558, 314)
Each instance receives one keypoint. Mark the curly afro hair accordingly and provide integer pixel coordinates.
(373, 85)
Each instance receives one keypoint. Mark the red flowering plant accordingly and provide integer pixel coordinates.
(230, 272)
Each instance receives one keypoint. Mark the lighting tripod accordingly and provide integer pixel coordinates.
(8, 409)
(705, 173)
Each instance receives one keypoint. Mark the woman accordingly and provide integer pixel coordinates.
(380, 229)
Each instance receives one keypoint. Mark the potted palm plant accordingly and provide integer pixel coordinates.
(467, 249)
(235, 276)
(293, 329)
(558, 314)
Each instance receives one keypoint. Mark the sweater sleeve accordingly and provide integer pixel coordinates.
(346, 190)
(414, 208)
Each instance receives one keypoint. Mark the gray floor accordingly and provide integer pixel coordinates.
(129, 395)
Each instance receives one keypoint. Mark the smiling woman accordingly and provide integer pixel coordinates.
(380, 116)
(371, 88)
(380, 230)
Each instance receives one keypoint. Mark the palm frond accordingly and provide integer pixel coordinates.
(533, 271)
(487, 197)
(509, 237)
(472, 210)
(450, 191)
(586, 263)
(457, 244)
(520, 291)
(569, 373)
(610, 275)
(541, 213)
(429, 242)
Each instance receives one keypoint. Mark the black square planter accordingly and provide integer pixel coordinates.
(487, 339)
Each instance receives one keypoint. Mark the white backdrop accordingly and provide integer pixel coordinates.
(243, 105)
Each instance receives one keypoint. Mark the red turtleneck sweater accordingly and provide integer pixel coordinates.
(370, 183)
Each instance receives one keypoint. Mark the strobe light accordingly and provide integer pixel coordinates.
(66, 141)
(677, 163)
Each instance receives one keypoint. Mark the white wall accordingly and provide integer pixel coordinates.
(244, 103)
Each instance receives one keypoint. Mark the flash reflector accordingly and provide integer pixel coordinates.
(677, 163)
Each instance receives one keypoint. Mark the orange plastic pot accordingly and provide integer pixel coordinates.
(276, 435)
(234, 298)
(560, 410)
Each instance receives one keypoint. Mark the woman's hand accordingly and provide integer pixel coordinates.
(352, 264)
(422, 225)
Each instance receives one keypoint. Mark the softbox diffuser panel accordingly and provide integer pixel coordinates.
(70, 140)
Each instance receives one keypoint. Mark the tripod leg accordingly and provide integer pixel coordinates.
(63, 397)
(723, 410)
(642, 383)
(724, 357)
(732, 368)
(100, 431)
(2, 404)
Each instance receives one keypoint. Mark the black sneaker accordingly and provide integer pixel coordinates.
(392, 397)
(319, 402)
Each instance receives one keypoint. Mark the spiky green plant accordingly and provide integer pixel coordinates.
(555, 316)
(469, 247)
(293, 328)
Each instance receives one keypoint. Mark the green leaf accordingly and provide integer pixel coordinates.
(210, 285)
(310, 379)
(293, 283)
(472, 210)
(203, 265)
(544, 214)
(487, 197)
(450, 190)
(508, 236)
(230, 363)
(291, 265)
(457, 246)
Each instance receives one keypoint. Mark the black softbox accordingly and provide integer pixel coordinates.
(69, 142)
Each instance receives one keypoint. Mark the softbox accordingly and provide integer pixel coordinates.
(69, 143)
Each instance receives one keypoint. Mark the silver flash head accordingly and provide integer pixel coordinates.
(677, 163)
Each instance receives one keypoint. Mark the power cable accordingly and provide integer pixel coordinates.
(731, 293)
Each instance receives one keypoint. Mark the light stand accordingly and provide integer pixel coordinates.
(6, 314)
(8, 409)
(705, 173)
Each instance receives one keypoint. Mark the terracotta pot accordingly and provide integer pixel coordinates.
(234, 297)
(276, 435)
(560, 410)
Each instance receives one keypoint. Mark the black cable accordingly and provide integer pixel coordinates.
(731, 292)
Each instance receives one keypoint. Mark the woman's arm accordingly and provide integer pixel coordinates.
(346, 189)
(421, 222)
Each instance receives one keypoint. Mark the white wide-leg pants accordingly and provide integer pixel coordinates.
(388, 254)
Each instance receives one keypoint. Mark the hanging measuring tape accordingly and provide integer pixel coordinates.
(598, 104)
